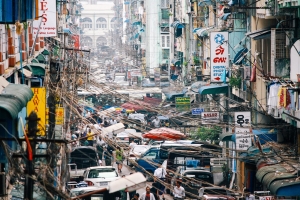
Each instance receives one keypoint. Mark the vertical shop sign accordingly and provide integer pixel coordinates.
(38, 104)
(46, 23)
(219, 55)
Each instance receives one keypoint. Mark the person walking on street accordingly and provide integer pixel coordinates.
(132, 144)
(160, 173)
(179, 192)
(156, 122)
(119, 158)
(147, 195)
(90, 137)
(136, 196)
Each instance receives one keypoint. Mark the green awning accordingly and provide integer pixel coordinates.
(45, 52)
(214, 89)
(34, 60)
(275, 176)
(262, 172)
(37, 69)
(226, 137)
(12, 99)
(41, 58)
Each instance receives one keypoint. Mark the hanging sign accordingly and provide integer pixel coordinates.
(242, 138)
(242, 119)
(45, 25)
(219, 60)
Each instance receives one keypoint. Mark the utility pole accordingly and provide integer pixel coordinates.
(31, 133)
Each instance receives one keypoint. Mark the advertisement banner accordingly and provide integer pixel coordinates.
(219, 55)
(183, 104)
(38, 104)
(59, 115)
(46, 23)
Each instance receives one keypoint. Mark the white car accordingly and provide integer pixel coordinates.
(136, 152)
(100, 176)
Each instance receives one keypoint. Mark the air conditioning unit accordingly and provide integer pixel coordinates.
(3, 191)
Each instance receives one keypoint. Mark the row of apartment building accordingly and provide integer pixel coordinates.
(256, 43)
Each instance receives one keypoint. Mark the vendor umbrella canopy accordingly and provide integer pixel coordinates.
(136, 105)
(164, 134)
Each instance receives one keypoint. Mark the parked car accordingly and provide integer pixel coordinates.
(136, 152)
(100, 176)
(207, 193)
(82, 158)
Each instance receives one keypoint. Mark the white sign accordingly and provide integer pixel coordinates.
(210, 115)
(136, 72)
(46, 23)
(266, 198)
(242, 138)
(219, 60)
(242, 119)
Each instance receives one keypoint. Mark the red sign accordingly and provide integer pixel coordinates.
(76, 40)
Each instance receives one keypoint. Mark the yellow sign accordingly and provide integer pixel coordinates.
(59, 115)
(38, 104)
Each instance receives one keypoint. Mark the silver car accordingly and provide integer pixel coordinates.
(100, 176)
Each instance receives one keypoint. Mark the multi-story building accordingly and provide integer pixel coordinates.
(96, 22)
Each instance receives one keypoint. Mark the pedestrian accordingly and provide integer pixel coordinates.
(155, 189)
(160, 173)
(156, 122)
(90, 137)
(132, 193)
(107, 156)
(132, 144)
(119, 158)
(113, 121)
(106, 123)
(147, 195)
(249, 196)
(179, 192)
(136, 196)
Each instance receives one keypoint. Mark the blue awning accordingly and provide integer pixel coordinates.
(177, 24)
(136, 23)
(205, 3)
(126, 20)
(225, 16)
(202, 32)
(213, 89)
(239, 57)
(142, 30)
(67, 30)
(126, 2)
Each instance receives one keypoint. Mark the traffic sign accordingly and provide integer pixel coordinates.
(197, 111)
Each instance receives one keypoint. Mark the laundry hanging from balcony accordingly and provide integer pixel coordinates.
(178, 26)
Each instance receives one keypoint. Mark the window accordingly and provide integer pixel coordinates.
(86, 23)
(165, 41)
(165, 4)
(165, 53)
(101, 23)
(113, 23)
(150, 155)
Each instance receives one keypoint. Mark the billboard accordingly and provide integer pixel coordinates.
(219, 49)
(59, 115)
(38, 104)
(183, 104)
(46, 23)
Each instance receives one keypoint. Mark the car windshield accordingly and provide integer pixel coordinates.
(215, 191)
(102, 173)
(199, 176)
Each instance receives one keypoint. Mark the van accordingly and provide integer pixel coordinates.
(81, 158)
(155, 156)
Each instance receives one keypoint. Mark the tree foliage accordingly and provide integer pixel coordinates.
(207, 133)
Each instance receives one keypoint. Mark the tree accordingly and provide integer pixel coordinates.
(207, 133)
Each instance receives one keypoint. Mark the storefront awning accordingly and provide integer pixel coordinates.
(205, 3)
(131, 183)
(176, 62)
(37, 69)
(177, 24)
(239, 56)
(286, 187)
(26, 72)
(213, 89)
(67, 31)
(202, 32)
(13, 98)
(226, 137)
(260, 34)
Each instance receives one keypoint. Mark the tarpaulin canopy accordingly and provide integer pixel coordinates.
(130, 183)
(164, 134)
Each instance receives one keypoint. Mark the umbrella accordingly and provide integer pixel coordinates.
(164, 134)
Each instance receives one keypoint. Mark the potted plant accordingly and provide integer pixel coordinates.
(235, 83)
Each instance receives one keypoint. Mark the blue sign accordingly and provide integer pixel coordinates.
(197, 111)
